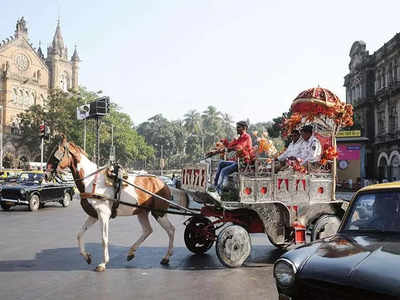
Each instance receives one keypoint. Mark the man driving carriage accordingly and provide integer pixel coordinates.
(226, 167)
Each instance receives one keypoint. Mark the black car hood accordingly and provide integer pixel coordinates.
(370, 262)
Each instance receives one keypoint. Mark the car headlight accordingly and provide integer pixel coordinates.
(284, 272)
(22, 191)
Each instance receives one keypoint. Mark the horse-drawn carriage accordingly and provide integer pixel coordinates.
(285, 205)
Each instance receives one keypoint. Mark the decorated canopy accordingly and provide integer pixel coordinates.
(318, 100)
(319, 105)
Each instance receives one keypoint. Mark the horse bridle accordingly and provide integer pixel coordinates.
(58, 155)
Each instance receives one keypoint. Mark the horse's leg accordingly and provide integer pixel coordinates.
(143, 218)
(89, 222)
(104, 218)
(170, 229)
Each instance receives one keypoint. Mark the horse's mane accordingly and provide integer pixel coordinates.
(78, 148)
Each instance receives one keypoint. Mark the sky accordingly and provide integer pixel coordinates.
(247, 58)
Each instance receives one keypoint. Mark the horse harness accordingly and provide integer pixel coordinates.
(112, 179)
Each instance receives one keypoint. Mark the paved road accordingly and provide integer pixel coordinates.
(39, 259)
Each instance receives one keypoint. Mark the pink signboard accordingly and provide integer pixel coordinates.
(349, 151)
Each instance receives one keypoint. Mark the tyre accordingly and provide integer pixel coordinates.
(34, 203)
(197, 239)
(325, 226)
(5, 206)
(67, 200)
(233, 246)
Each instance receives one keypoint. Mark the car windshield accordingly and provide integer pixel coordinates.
(30, 177)
(377, 211)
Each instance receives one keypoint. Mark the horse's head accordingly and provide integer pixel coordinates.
(64, 155)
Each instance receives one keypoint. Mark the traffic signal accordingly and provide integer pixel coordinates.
(42, 130)
(100, 107)
(97, 108)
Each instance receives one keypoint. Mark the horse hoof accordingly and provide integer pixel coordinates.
(100, 269)
(130, 257)
(89, 259)
(164, 261)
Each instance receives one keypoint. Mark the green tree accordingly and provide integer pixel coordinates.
(59, 114)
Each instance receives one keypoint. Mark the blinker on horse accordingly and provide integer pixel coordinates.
(95, 191)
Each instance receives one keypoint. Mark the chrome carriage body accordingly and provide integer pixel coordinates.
(284, 202)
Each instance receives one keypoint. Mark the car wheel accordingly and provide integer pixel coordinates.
(325, 226)
(5, 206)
(34, 203)
(67, 200)
(233, 246)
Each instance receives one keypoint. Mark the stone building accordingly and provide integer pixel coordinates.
(27, 76)
(373, 88)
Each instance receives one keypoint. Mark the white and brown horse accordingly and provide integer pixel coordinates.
(68, 155)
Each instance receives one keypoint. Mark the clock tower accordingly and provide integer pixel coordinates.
(63, 72)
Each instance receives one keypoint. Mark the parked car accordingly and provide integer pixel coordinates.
(361, 261)
(32, 190)
(167, 180)
(9, 175)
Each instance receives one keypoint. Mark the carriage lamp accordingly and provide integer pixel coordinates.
(284, 273)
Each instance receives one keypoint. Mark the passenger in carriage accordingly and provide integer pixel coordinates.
(225, 168)
(310, 148)
(293, 150)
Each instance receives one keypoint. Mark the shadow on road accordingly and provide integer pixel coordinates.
(69, 259)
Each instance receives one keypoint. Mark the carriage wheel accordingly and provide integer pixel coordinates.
(325, 226)
(197, 239)
(233, 246)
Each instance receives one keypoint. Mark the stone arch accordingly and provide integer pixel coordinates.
(383, 166)
(394, 161)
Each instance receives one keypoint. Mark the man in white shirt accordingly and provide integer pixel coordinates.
(310, 148)
(293, 150)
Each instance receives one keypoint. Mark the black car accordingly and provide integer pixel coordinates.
(32, 190)
(361, 261)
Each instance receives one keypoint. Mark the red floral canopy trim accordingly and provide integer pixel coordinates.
(315, 103)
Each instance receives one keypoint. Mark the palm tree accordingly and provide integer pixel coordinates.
(227, 125)
(192, 122)
(212, 125)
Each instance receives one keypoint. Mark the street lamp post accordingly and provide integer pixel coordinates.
(161, 157)
(162, 160)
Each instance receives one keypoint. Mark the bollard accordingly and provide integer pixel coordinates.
(299, 233)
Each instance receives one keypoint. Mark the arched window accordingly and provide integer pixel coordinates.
(383, 166)
(27, 98)
(21, 96)
(395, 166)
(14, 97)
(64, 82)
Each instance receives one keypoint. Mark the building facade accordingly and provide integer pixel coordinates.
(27, 76)
(373, 88)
